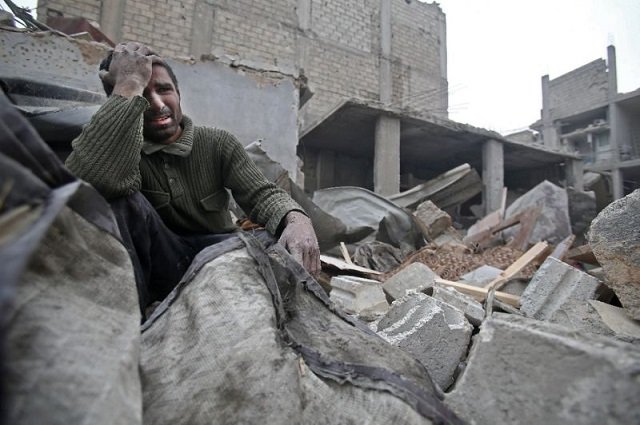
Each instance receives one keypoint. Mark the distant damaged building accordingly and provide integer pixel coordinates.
(583, 113)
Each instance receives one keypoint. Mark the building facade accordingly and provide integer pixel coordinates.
(393, 51)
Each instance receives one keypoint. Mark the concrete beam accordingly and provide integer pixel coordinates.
(385, 77)
(111, 19)
(617, 184)
(574, 174)
(492, 175)
(202, 29)
(386, 161)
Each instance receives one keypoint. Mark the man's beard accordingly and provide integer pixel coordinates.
(159, 133)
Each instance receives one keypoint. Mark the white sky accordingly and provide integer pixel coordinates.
(498, 50)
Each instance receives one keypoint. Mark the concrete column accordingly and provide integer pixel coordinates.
(386, 158)
(112, 18)
(574, 173)
(444, 82)
(612, 75)
(326, 169)
(201, 29)
(549, 133)
(385, 77)
(617, 183)
(492, 175)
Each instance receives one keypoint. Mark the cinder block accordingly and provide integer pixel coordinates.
(356, 295)
(435, 220)
(555, 284)
(525, 371)
(434, 332)
(416, 277)
(472, 309)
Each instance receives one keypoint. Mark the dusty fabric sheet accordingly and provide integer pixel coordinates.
(249, 337)
(73, 331)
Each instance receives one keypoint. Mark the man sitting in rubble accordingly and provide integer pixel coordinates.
(166, 179)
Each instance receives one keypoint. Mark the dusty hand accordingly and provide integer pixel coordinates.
(300, 240)
(130, 69)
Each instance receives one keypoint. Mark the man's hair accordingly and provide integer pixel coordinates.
(106, 62)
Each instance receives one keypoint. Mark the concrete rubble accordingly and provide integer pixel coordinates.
(472, 309)
(356, 295)
(615, 242)
(434, 332)
(416, 277)
(553, 224)
(554, 285)
(434, 220)
(524, 371)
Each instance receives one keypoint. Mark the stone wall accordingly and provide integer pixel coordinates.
(336, 44)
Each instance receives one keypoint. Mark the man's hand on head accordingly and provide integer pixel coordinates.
(130, 69)
(299, 238)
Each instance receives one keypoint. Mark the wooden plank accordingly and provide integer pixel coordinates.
(583, 254)
(517, 266)
(480, 293)
(343, 265)
(345, 253)
(560, 251)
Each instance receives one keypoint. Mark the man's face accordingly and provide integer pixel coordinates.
(162, 119)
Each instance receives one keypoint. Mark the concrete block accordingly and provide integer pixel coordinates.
(614, 240)
(472, 309)
(553, 224)
(553, 286)
(356, 295)
(435, 220)
(434, 332)
(481, 276)
(416, 277)
(524, 371)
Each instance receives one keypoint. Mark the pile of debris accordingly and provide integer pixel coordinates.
(510, 321)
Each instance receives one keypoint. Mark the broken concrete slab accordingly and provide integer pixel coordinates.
(618, 321)
(524, 371)
(614, 240)
(432, 219)
(360, 296)
(416, 277)
(481, 276)
(378, 256)
(553, 286)
(553, 223)
(434, 332)
(472, 309)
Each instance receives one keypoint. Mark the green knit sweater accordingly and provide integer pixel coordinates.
(185, 181)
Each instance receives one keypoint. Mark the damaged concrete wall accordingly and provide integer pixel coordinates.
(335, 44)
(252, 105)
(579, 90)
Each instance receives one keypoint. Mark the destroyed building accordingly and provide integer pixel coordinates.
(584, 113)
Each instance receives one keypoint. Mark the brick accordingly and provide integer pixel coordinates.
(359, 296)
(416, 277)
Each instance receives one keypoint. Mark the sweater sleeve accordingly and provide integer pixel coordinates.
(262, 200)
(107, 152)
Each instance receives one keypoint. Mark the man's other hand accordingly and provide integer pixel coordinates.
(300, 240)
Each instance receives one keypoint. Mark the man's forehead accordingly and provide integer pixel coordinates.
(160, 75)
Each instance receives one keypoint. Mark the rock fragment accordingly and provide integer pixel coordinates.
(614, 238)
(472, 309)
